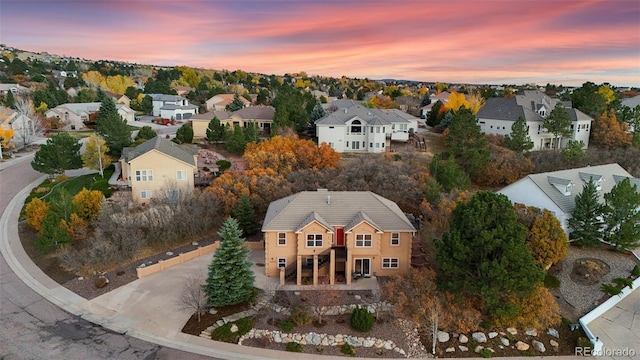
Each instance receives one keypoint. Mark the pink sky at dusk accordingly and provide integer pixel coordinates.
(463, 41)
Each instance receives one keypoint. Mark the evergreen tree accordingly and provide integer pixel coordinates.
(448, 174)
(434, 117)
(216, 131)
(558, 123)
(251, 133)
(485, 254)
(467, 142)
(585, 221)
(230, 279)
(146, 133)
(184, 135)
(237, 141)
(519, 139)
(112, 127)
(317, 113)
(60, 153)
(147, 105)
(622, 216)
(235, 105)
(426, 100)
(9, 100)
(246, 216)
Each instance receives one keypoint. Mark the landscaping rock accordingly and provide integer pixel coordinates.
(538, 346)
(463, 348)
(443, 336)
(101, 281)
(450, 349)
(368, 342)
(234, 328)
(276, 337)
(512, 331)
(463, 339)
(357, 297)
(213, 311)
(492, 334)
(478, 349)
(553, 343)
(531, 332)
(315, 340)
(195, 243)
(479, 337)
(169, 253)
(553, 332)
(522, 346)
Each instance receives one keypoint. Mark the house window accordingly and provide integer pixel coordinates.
(395, 239)
(356, 127)
(363, 240)
(73, 127)
(390, 263)
(331, 127)
(144, 175)
(355, 145)
(370, 145)
(282, 262)
(282, 239)
(314, 240)
(332, 145)
(377, 145)
(145, 194)
(181, 174)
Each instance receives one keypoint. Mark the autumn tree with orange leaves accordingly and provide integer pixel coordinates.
(607, 131)
(539, 310)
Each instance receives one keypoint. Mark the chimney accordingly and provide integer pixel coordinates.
(328, 199)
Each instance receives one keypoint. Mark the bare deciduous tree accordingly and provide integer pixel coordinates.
(193, 297)
(321, 298)
(30, 126)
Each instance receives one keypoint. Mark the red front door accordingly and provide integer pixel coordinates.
(339, 237)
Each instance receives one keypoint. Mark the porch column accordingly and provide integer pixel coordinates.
(281, 276)
(332, 267)
(299, 273)
(315, 269)
(347, 270)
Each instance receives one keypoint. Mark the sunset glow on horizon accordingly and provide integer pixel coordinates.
(458, 41)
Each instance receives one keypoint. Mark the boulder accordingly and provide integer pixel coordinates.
(504, 341)
(538, 346)
(368, 342)
(463, 348)
(450, 349)
(443, 336)
(195, 243)
(169, 253)
(479, 337)
(512, 331)
(357, 297)
(492, 334)
(101, 281)
(522, 346)
(316, 339)
(234, 328)
(531, 332)
(463, 339)
(478, 348)
(213, 311)
(553, 343)
(553, 332)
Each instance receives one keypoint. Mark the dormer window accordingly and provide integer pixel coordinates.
(356, 127)
(542, 112)
(563, 185)
(597, 179)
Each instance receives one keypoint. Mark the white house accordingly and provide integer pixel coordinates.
(355, 128)
(556, 190)
(443, 97)
(75, 115)
(172, 107)
(498, 114)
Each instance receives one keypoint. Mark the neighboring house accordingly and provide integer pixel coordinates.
(261, 116)
(172, 107)
(21, 125)
(631, 102)
(556, 190)
(356, 128)
(219, 102)
(498, 114)
(183, 90)
(75, 115)
(158, 169)
(119, 99)
(16, 89)
(64, 73)
(443, 97)
(327, 236)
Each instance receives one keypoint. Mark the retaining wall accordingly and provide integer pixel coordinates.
(165, 264)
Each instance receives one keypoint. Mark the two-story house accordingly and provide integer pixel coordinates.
(219, 102)
(327, 237)
(75, 115)
(498, 115)
(159, 168)
(356, 128)
(261, 116)
(172, 107)
(556, 191)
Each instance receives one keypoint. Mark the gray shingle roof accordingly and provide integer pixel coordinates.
(608, 172)
(182, 153)
(369, 116)
(501, 109)
(256, 112)
(335, 208)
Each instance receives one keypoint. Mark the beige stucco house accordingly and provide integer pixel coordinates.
(261, 116)
(75, 115)
(219, 102)
(158, 169)
(327, 237)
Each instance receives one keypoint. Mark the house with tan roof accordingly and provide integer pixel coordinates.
(172, 107)
(261, 116)
(443, 97)
(328, 237)
(219, 102)
(75, 115)
(556, 191)
(158, 169)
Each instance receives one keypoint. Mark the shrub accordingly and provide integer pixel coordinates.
(623, 282)
(36, 211)
(583, 342)
(551, 282)
(223, 165)
(566, 322)
(635, 271)
(485, 324)
(286, 325)
(102, 186)
(348, 349)
(610, 289)
(486, 353)
(361, 319)
(293, 347)
(300, 316)
(223, 333)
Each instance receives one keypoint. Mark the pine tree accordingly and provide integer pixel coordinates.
(146, 133)
(426, 100)
(235, 105)
(237, 141)
(519, 139)
(251, 133)
(246, 216)
(9, 100)
(467, 142)
(585, 218)
(216, 131)
(622, 216)
(112, 127)
(558, 123)
(184, 135)
(60, 153)
(230, 279)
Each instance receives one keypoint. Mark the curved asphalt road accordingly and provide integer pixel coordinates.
(33, 328)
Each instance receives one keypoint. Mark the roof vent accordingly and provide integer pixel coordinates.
(328, 199)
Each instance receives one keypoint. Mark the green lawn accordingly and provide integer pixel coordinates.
(81, 134)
